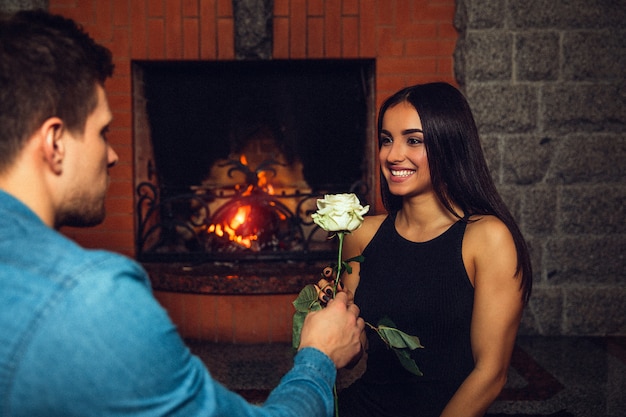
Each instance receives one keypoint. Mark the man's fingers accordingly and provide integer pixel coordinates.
(355, 309)
(342, 296)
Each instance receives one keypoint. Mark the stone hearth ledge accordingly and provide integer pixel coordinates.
(234, 278)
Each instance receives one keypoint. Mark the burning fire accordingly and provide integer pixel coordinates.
(230, 230)
(253, 219)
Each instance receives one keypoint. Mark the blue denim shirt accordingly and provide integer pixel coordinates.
(82, 335)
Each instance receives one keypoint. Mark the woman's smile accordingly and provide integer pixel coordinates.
(400, 175)
(403, 173)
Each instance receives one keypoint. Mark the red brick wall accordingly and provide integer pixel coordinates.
(412, 41)
(231, 318)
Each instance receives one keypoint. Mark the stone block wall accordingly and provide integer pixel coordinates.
(546, 81)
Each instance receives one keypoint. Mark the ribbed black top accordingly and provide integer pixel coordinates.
(424, 289)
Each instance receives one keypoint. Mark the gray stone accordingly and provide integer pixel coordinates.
(594, 55)
(526, 159)
(253, 28)
(585, 260)
(554, 137)
(490, 145)
(529, 14)
(595, 158)
(593, 209)
(503, 107)
(595, 311)
(513, 200)
(478, 14)
(543, 315)
(488, 56)
(458, 57)
(539, 211)
(12, 6)
(574, 107)
(537, 56)
(566, 14)
(536, 257)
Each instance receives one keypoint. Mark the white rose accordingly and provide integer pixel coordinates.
(339, 213)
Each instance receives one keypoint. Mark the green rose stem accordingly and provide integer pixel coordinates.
(340, 236)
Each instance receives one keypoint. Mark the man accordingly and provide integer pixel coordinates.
(81, 333)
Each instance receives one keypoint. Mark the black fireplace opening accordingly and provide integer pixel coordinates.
(230, 156)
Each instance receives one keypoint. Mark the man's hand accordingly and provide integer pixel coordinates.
(335, 330)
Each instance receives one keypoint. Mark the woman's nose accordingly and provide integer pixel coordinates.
(395, 153)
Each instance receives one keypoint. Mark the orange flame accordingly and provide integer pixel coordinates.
(229, 227)
(230, 230)
(264, 183)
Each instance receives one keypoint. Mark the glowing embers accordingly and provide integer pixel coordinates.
(255, 222)
(234, 231)
(263, 192)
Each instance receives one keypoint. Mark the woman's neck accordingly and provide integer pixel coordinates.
(421, 219)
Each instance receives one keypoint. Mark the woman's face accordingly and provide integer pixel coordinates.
(402, 153)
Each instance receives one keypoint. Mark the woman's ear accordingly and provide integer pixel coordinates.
(53, 145)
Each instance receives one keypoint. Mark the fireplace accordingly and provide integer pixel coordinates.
(230, 158)
(410, 41)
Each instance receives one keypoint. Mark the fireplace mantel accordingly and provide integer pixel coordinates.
(234, 278)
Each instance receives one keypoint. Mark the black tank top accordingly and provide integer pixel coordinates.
(425, 290)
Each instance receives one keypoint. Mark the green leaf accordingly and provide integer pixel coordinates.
(307, 298)
(346, 264)
(407, 362)
(306, 302)
(401, 343)
(398, 339)
(359, 258)
(298, 321)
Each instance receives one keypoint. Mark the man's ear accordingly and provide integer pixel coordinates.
(52, 143)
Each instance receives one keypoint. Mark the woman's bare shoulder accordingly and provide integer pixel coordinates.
(371, 224)
(487, 227)
(358, 239)
(488, 235)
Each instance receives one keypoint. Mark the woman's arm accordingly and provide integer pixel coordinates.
(491, 260)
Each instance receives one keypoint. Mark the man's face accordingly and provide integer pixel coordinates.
(88, 159)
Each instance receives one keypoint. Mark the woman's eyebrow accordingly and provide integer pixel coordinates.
(409, 131)
(404, 132)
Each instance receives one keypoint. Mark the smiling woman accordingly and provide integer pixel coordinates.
(447, 263)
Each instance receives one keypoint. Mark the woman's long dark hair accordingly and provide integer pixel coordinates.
(458, 169)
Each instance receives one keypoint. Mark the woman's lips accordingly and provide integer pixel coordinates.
(400, 175)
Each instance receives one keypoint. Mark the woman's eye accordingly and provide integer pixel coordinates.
(384, 140)
(415, 141)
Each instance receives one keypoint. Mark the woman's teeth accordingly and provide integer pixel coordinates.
(402, 173)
